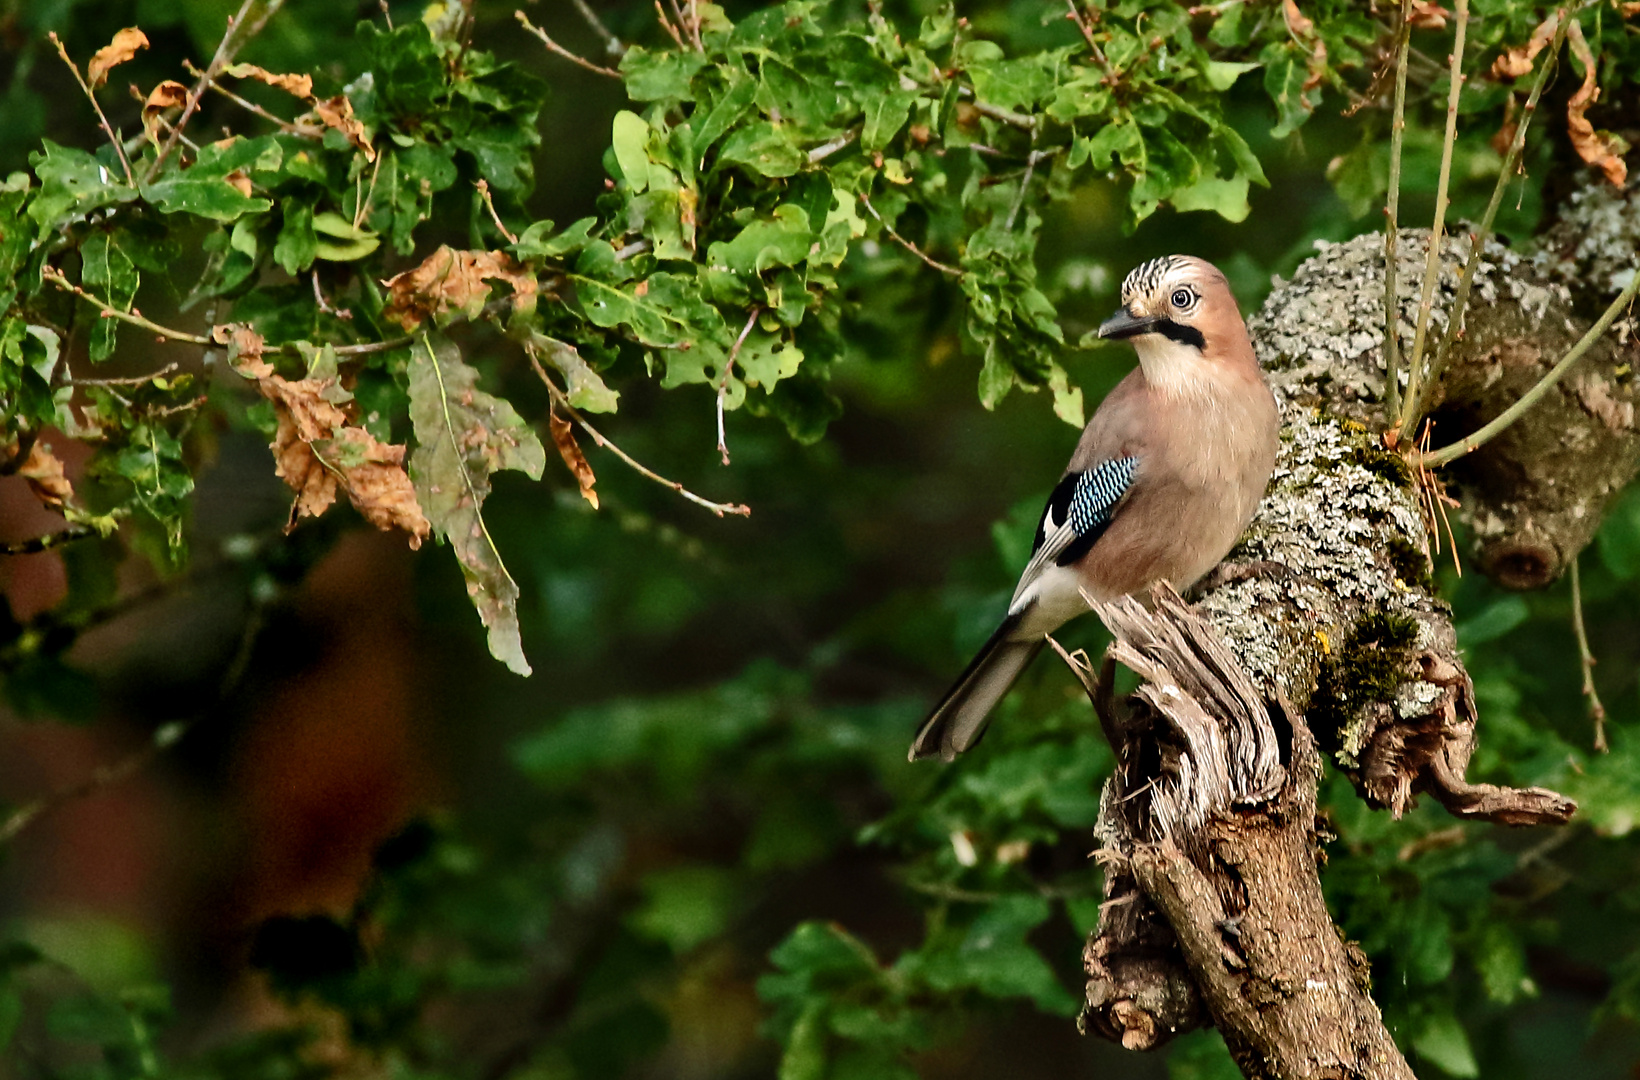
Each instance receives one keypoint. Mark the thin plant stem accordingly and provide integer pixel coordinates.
(723, 383)
(119, 149)
(245, 103)
(1432, 267)
(489, 204)
(612, 44)
(232, 41)
(1514, 412)
(1024, 186)
(57, 279)
(1478, 240)
(562, 400)
(553, 46)
(826, 149)
(908, 245)
(1597, 711)
(1392, 224)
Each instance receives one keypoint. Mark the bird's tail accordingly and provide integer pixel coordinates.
(959, 720)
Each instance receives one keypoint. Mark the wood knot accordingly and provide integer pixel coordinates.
(1521, 564)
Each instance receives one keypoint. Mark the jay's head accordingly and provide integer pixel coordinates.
(1181, 317)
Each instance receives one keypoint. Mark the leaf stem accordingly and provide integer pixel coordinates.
(1432, 266)
(554, 47)
(1597, 711)
(908, 245)
(612, 44)
(1478, 240)
(1514, 412)
(45, 543)
(723, 383)
(284, 125)
(562, 400)
(1392, 302)
(119, 149)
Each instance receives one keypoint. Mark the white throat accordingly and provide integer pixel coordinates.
(1171, 367)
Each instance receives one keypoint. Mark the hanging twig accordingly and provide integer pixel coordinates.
(908, 245)
(562, 400)
(483, 187)
(284, 125)
(1478, 240)
(553, 46)
(1392, 225)
(612, 44)
(723, 383)
(232, 41)
(1597, 711)
(1432, 266)
(1544, 385)
(1024, 185)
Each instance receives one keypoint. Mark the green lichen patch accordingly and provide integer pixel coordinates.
(1369, 667)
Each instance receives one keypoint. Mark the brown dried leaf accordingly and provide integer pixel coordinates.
(1505, 136)
(1598, 148)
(166, 95)
(240, 182)
(1297, 22)
(298, 85)
(1630, 8)
(1428, 15)
(337, 112)
(563, 437)
(44, 474)
(116, 52)
(450, 280)
(315, 450)
(1517, 61)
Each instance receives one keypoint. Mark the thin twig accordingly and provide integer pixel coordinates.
(245, 103)
(1076, 17)
(1478, 240)
(1432, 266)
(130, 380)
(232, 41)
(63, 283)
(1013, 119)
(119, 148)
(723, 383)
(562, 400)
(1544, 385)
(637, 247)
(483, 187)
(553, 46)
(289, 348)
(1392, 302)
(612, 44)
(35, 544)
(908, 245)
(1597, 711)
(826, 149)
(1024, 185)
(164, 737)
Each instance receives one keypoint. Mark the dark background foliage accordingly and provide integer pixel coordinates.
(689, 845)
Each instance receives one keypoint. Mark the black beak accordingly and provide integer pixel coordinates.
(1125, 324)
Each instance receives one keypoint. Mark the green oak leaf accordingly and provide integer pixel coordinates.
(464, 436)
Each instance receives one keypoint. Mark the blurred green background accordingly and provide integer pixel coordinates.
(689, 845)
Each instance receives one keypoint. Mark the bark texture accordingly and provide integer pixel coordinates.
(1213, 910)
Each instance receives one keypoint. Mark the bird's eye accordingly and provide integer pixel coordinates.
(1183, 298)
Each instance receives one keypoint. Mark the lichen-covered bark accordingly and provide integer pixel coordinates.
(1327, 607)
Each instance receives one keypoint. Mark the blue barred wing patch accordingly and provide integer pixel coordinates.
(1085, 502)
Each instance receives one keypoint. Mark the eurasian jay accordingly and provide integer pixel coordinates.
(1166, 476)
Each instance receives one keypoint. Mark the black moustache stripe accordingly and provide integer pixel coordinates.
(1184, 335)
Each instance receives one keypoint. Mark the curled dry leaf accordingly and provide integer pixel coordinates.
(116, 52)
(337, 112)
(44, 474)
(168, 94)
(299, 85)
(1598, 148)
(1428, 15)
(453, 281)
(1302, 27)
(240, 182)
(316, 451)
(1505, 137)
(1517, 60)
(563, 437)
